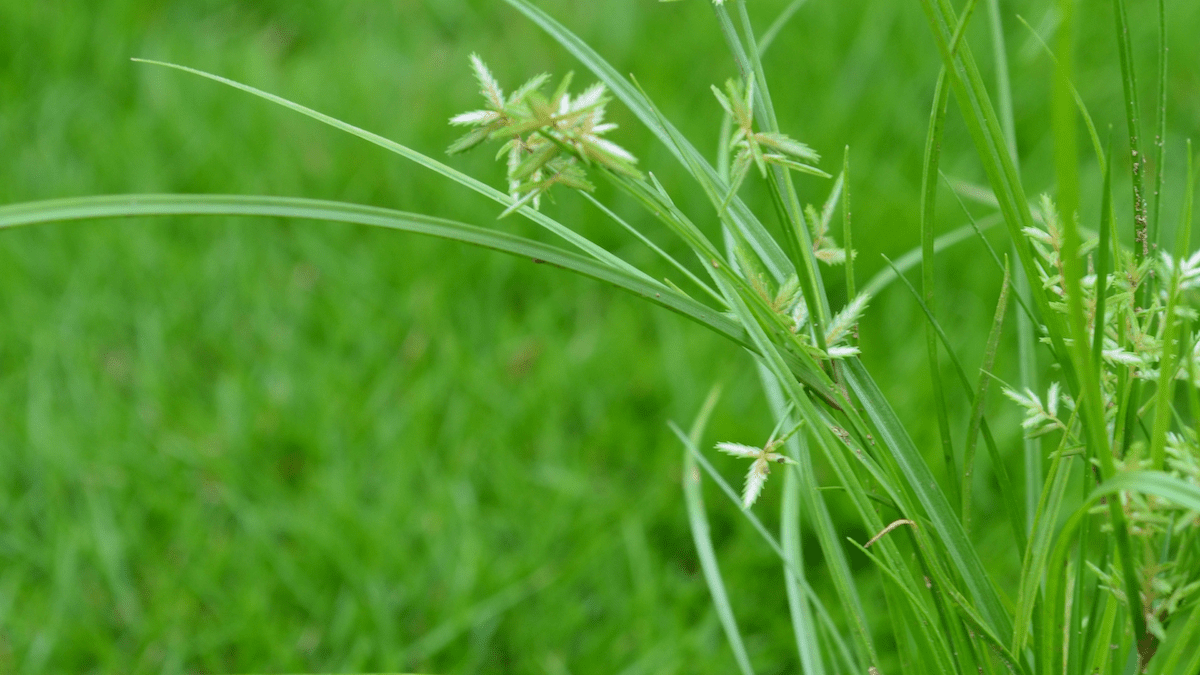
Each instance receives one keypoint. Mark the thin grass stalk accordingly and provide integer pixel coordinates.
(847, 235)
(1073, 636)
(1003, 85)
(1170, 347)
(1101, 647)
(826, 620)
(804, 628)
(929, 185)
(772, 32)
(1102, 263)
(1160, 130)
(1026, 341)
(976, 415)
(1007, 491)
(1063, 123)
(1092, 407)
(1033, 564)
(698, 520)
(1141, 247)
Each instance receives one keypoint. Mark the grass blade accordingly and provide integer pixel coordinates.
(698, 520)
(461, 178)
(1181, 647)
(929, 185)
(847, 239)
(962, 555)
(734, 498)
(803, 627)
(911, 258)
(1141, 246)
(1062, 115)
(777, 25)
(87, 208)
(1170, 357)
(985, 371)
(1007, 493)
(1160, 126)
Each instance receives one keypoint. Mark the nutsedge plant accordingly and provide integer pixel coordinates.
(1108, 524)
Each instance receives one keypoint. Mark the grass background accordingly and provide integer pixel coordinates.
(236, 445)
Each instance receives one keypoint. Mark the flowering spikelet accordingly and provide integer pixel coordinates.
(759, 148)
(547, 141)
(759, 469)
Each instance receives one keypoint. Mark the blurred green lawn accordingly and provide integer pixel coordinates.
(235, 445)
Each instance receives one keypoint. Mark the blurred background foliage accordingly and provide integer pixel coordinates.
(235, 445)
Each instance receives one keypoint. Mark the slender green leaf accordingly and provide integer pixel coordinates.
(1169, 363)
(962, 555)
(86, 208)
(1160, 127)
(536, 216)
(911, 258)
(847, 238)
(777, 25)
(1141, 242)
(822, 611)
(698, 520)
(976, 418)
(929, 184)
(808, 645)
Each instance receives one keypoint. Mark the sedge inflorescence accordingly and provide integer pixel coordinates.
(547, 140)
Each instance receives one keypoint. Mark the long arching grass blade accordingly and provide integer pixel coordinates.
(408, 153)
(86, 208)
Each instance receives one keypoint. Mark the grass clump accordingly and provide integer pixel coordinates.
(1107, 528)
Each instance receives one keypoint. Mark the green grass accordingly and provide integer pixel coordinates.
(240, 445)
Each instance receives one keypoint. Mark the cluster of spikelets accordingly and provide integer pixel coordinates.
(551, 140)
(762, 458)
(1134, 335)
(1136, 347)
(548, 141)
(759, 148)
(787, 300)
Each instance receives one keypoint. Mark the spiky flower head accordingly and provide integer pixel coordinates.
(759, 468)
(759, 148)
(548, 141)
